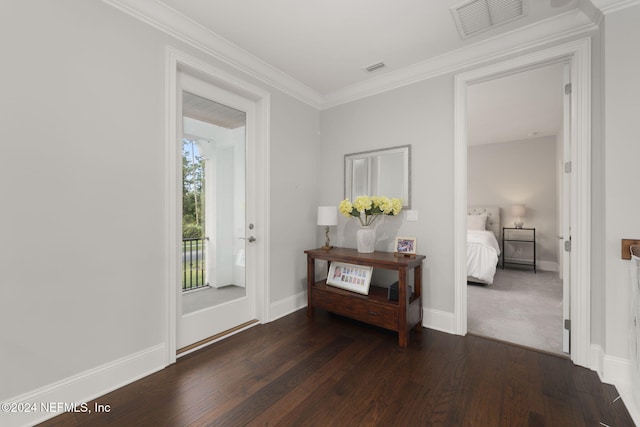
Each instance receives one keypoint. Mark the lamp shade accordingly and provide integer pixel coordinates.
(327, 215)
(518, 210)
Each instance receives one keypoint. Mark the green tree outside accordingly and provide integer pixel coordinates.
(192, 191)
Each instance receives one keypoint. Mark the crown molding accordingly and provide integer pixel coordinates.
(173, 23)
(569, 24)
(610, 6)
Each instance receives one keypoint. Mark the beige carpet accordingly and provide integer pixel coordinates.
(519, 307)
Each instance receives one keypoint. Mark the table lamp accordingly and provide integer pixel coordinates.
(327, 216)
(518, 211)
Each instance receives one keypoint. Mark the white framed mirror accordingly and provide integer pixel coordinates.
(385, 172)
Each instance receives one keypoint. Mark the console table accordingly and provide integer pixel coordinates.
(376, 309)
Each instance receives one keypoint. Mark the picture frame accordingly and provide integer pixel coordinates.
(351, 277)
(406, 245)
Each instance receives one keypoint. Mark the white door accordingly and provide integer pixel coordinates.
(217, 293)
(565, 237)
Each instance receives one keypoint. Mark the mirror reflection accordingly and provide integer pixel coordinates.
(379, 172)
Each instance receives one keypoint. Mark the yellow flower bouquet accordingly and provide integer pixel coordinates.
(367, 209)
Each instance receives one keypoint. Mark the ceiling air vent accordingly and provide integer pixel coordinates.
(374, 67)
(475, 16)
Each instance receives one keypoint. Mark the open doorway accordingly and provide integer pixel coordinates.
(578, 303)
(514, 159)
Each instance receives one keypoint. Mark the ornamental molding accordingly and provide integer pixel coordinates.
(537, 35)
(610, 6)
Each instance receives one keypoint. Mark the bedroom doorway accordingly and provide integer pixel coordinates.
(578, 54)
(515, 155)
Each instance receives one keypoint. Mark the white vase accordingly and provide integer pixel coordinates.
(366, 239)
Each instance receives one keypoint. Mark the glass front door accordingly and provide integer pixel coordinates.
(214, 292)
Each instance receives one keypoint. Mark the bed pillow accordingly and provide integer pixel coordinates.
(477, 222)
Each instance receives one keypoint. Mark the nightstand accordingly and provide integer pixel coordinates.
(519, 235)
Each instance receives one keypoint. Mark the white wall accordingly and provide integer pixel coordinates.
(81, 179)
(421, 115)
(296, 177)
(82, 253)
(519, 172)
(82, 131)
(622, 151)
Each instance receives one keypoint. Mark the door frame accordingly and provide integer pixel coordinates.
(578, 54)
(176, 60)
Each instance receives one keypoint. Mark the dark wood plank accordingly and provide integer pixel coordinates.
(331, 370)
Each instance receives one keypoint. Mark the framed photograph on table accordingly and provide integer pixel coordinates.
(406, 245)
(354, 278)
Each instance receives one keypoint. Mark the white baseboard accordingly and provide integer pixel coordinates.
(84, 387)
(540, 265)
(288, 305)
(442, 321)
(631, 402)
(547, 265)
(617, 371)
(596, 359)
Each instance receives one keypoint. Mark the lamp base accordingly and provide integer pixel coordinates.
(327, 242)
(518, 224)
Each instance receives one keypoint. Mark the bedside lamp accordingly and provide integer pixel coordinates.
(327, 216)
(518, 211)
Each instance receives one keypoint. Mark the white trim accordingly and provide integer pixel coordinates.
(171, 211)
(578, 52)
(263, 208)
(288, 305)
(630, 402)
(617, 371)
(173, 23)
(534, 36)
(87, 385)
(552, 266)
(596, 359)
(176, 59)
(547, 266)
(439, 320)
(185, 29)
(610, 6)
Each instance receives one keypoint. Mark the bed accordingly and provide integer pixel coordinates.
(483, 250)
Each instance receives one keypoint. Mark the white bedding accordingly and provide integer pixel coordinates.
(483, 253)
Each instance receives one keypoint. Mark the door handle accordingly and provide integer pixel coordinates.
(250, 239)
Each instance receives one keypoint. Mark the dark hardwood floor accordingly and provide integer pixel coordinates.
(331, 371)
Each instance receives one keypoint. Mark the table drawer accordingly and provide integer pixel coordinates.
(356, 308)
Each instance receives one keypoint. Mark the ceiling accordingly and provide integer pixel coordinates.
(520, 106)
(326, 44)
(317, 51)
(205, 110)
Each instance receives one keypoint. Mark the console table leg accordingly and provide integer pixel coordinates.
(417, 284)
(311, 277)
(403, 301)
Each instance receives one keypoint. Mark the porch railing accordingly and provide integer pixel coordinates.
(193, 263)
